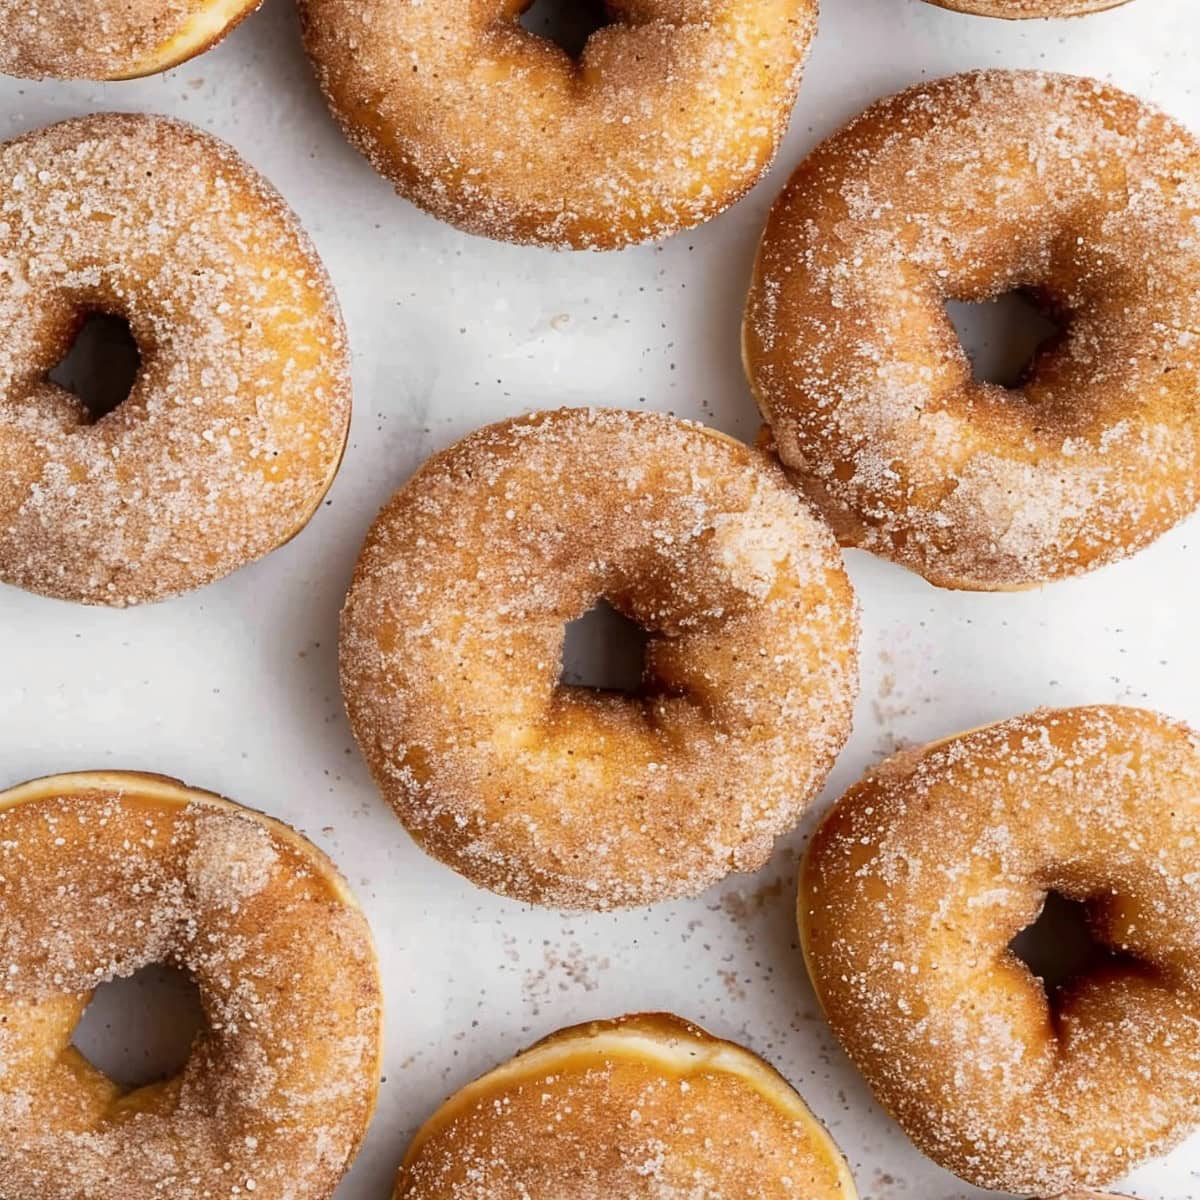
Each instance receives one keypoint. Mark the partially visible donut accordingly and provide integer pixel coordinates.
(110, 39)
(238, 417)
(968, 188)
(912, 891)
(671, 113)
(103, 873)
(1015, 10)
(451, 649)
(641, 1108)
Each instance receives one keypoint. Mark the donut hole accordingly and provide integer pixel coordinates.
(140, 1029)
(101, 365)
(1004, 335)
(1059, 947)
(605, 651)
(566, 23)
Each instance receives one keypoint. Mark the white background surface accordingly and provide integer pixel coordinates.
(235, 688)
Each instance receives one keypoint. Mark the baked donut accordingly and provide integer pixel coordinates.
(237, 420)
(104, 873)
(668, 117)
(1014, 10)
(965, 189)
(644, 1108)
(912, 891)
(451, 648)
(101, 39)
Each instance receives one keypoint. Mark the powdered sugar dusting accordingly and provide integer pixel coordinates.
(917, 882)
(670, 115)
(451, 649)
(237, 420)
(967, 188)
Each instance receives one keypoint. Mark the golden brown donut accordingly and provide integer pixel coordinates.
(107, 39)
(968, 188)
(670, 114)
(103, 873)
(1015, 10)
(452, 640)
(645, 1107)
(912, 891)
(237, 420)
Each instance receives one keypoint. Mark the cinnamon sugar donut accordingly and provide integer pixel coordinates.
(1014, 10)
(915, 886)
(642, 1108)
(452, 640)
(102, 39)
(967, 188)
(104, 873)
(670, 114)
(238, 417)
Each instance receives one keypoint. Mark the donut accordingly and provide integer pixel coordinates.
(239, 414)
(672, 112)
(103, 873)
(967, 188)
(1015, 10)
(644, 1107)
(101, 39)
(451, 649)
(912, 891)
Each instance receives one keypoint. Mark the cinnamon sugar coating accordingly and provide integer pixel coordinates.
(1015, 10)
(102, 874)
(968, 188)
(238, 417)
(104, 39)
(642, 1108)
(452, 639)
(919, 879)
(670, 114)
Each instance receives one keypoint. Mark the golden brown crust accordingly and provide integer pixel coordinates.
(451, 647)
(912, 891)
(1016, 10)
(100, 39)
(239, 415)
(669, 116)
(967, 188)
(102, 873)
(645, 1107)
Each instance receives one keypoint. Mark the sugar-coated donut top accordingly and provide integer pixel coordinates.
(912, 891)
(966, 188)
(671, 113)
(238, 417)
(452, 639)
(108, 39)
(643, 1108)
(1024, 9)
(102, 875)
